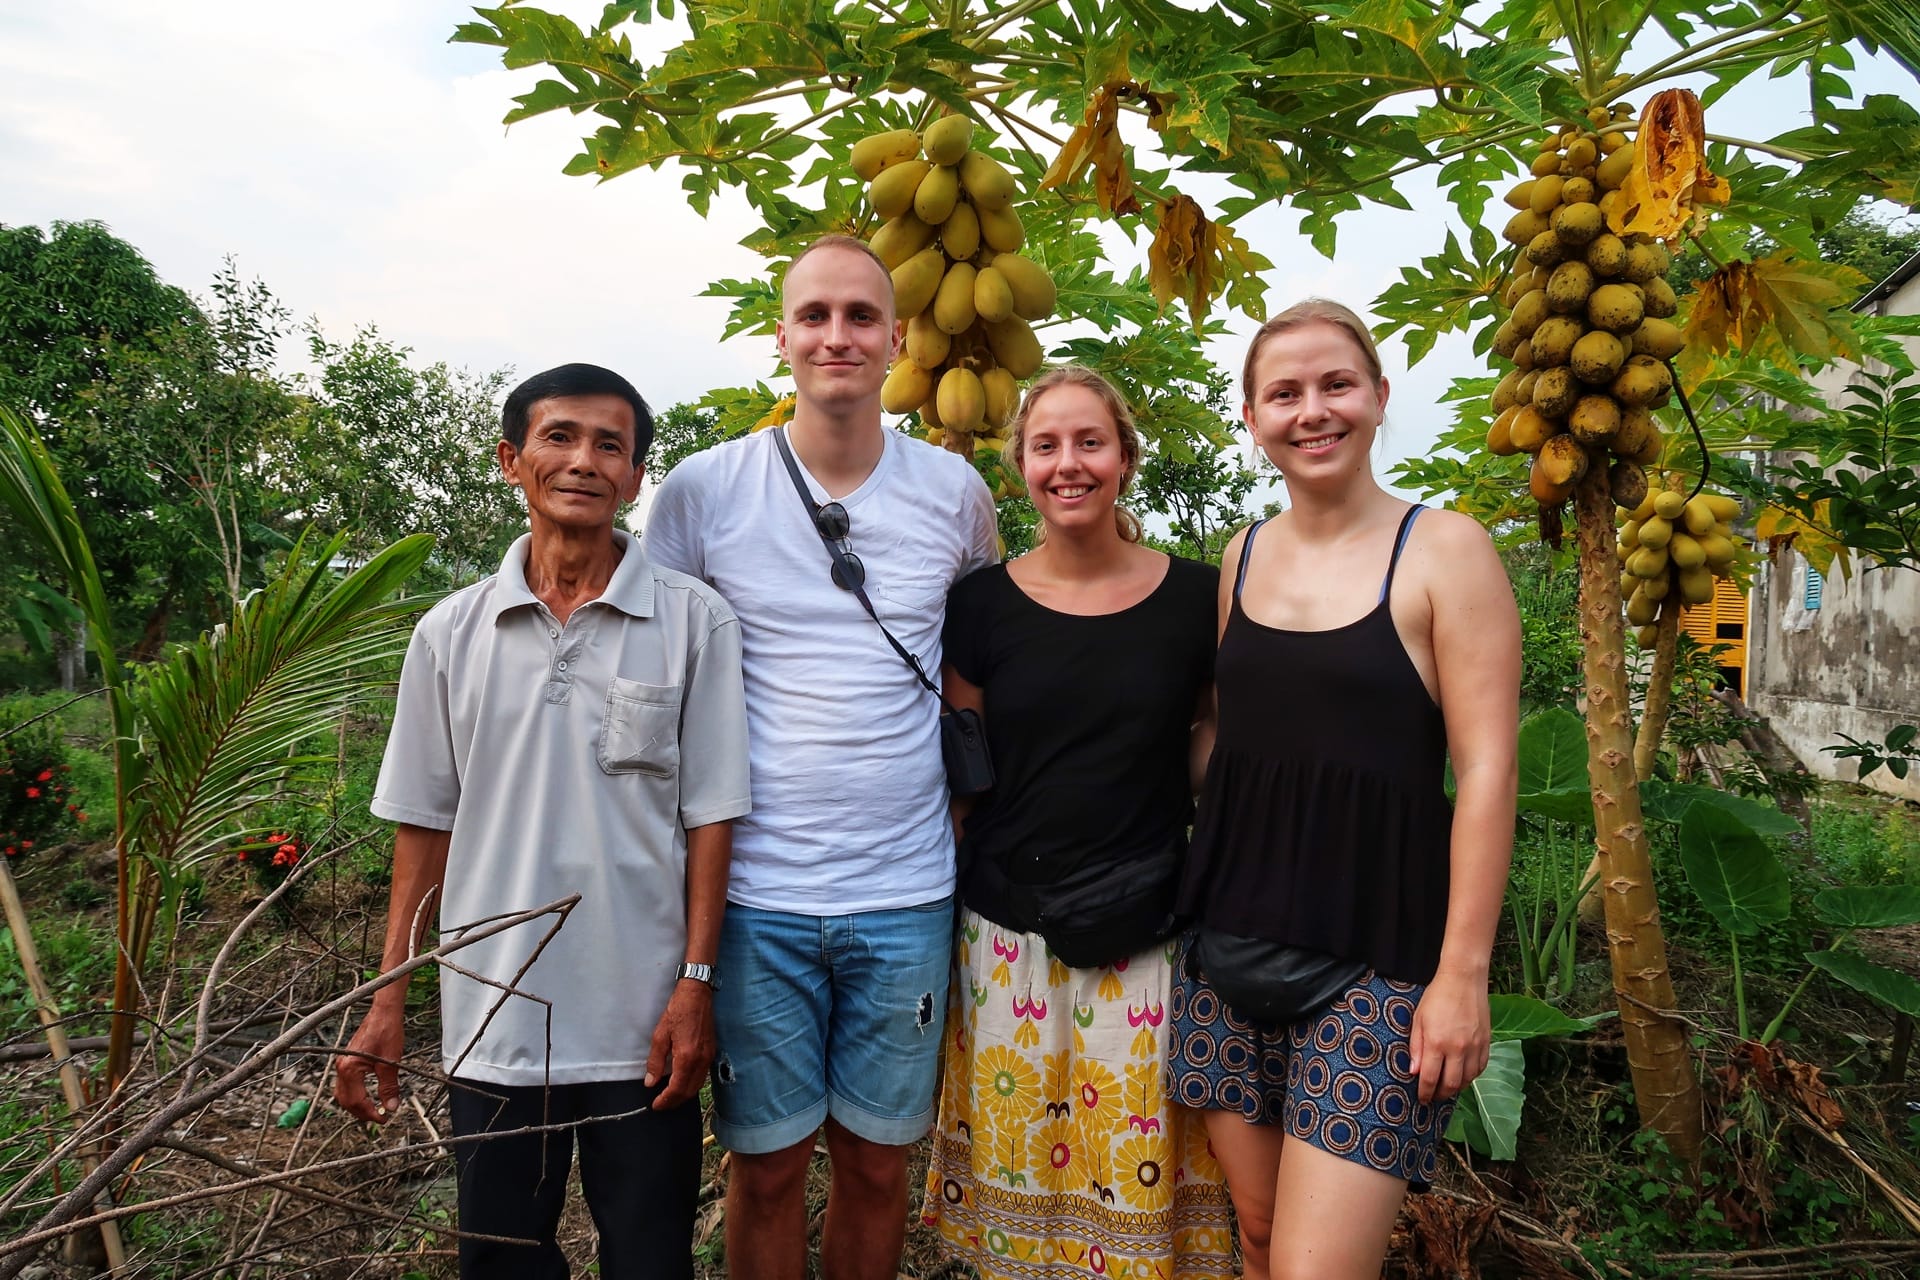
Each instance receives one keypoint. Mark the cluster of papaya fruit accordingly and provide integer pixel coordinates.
(951, 239)
(1588, 332)
(1672, 547)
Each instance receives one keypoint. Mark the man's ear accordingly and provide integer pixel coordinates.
(509, 462)
(631, 489)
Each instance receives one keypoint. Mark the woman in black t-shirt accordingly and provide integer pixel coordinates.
(1090, 660)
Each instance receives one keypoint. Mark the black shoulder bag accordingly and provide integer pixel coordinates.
(963, 740)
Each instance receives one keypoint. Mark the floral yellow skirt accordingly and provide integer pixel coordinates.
(1057, 1150)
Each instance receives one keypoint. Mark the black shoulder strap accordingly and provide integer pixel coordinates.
(1399, 545)
(839, 558)
(1246, 553)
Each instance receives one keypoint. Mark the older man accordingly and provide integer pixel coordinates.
(572, 725)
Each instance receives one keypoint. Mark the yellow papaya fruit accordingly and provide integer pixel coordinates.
(1725, 509)
(1696, 584)
(1698, 516)
(927, 342)
(1647, 562)
(881, 151)
(1617, 308)
(936, 195)
(1656, 531)
(962, 401)
(906, 388)
(1003, 396)
(1594, 420)
(1531, 429)
(960, 233)
(891, 192)
(1014, 347)
(1685, 550)
(1001, 228)
(1658, 338)
(1500, 434)
(1563, 460)
(988, 185)
(1627, 483)
(948, 138)
(953, 302)
(1034, 294)
(900, 238)
(1545, 490)
(992, 297)
(916, 280)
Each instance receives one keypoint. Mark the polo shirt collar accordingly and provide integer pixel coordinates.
(630, 590)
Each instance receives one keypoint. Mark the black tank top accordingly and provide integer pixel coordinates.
(1324, 820)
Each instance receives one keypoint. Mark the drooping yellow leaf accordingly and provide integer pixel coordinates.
(1179, 243)
(1096, 142)
(1669, 179)
(1785, 309)
(1777, 530)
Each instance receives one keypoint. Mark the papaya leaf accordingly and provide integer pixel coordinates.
(1523, 1018)
(1862, 906)
(1487, 1116)
(1876, 24)
(1450, 290)
(1732, 870)
(1896, 990)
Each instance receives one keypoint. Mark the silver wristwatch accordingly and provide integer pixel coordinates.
(698, 972)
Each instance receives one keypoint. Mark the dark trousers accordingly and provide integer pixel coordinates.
(641, 1175)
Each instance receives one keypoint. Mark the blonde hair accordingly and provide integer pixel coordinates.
(1078, 375)
(1313, 311)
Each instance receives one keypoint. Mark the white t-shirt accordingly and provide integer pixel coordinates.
(849, 792)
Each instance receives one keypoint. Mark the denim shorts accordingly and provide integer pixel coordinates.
(829, 1015)
(1338, 1080)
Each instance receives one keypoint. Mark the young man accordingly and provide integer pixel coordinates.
(834, 963)
(574, 724)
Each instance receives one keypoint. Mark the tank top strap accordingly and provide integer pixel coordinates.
(1399, 545)
(1246, 553)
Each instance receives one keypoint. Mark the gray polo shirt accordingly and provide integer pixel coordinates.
(567, 760)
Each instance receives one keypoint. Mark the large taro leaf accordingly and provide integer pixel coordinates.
(1553, 752)
(1864, 906)
(1896, 990)
(1487, 1117)
(1669, 802)
(1730, 867)
(1523, 1018)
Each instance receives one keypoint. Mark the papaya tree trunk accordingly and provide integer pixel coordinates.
(1646, 746)
(1664, 1083)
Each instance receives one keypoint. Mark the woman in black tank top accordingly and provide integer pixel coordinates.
(1361, 648)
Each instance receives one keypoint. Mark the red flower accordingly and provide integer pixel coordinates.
(33, 793)
(240, 856)
(80, 815)
(26, 844)
(46, 775)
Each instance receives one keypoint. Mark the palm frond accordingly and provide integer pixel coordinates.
(223, 719)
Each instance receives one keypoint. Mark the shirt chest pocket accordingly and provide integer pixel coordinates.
(640, 728)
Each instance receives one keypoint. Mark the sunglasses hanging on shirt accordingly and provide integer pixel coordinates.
(963, 740)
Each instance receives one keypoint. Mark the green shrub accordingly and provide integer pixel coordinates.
(36, 804)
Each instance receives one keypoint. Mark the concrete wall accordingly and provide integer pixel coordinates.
(1852, 665)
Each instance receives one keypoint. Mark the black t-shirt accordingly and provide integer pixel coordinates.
(1088, 720)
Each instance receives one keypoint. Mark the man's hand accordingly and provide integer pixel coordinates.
(683, 1041)
(377, 1047)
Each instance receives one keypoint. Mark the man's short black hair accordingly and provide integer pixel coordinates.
(574, 380)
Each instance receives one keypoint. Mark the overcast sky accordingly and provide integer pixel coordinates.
(351, 158)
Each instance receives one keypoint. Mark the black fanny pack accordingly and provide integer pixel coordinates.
(1100, 914)
(1269, 983)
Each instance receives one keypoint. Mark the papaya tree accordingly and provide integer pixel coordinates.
(1106, 113)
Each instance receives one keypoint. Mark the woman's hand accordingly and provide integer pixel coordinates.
(1452, 1035)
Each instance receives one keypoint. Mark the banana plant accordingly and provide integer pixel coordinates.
(204, 737)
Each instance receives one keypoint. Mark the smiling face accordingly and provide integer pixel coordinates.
(1316, 404)
(576, 466)
(836, 328)
(1072, 459)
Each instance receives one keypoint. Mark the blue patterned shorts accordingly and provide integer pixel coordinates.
(1338, 1080)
